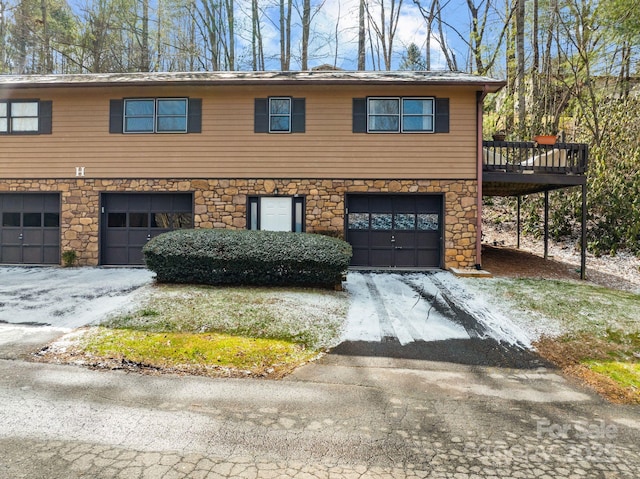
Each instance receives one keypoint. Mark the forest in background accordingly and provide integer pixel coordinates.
(571, 66)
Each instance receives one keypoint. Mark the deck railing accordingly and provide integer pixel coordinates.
(529, 157)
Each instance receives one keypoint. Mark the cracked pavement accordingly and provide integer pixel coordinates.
(341, 417)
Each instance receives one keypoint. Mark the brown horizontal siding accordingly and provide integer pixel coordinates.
(227, 146)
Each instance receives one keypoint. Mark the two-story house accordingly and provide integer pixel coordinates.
(101, 163)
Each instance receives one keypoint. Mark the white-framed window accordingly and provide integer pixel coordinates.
(19, 117)
(279, 115)
(155, 115)
(276, 213)
(418, 115)
(400, 115)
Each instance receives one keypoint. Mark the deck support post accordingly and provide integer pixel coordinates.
(546, 224)
(583, 242)
(518, 224)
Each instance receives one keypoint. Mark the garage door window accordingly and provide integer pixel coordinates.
(276, 213)
(428, 222)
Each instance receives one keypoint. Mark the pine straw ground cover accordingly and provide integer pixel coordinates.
(212, 331)
(592, 332)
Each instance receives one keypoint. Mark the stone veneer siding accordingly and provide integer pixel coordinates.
(222, 203)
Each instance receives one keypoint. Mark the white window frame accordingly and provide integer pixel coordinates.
(369, 114)
(273, 115)
(9, 116)
(155, 116)
(404, 115)
(401, 114)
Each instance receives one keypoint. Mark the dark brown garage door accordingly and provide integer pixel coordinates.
(30, 228)
(129, 220)
(395, 230)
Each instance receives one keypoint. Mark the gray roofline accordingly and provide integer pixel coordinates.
(252, 78)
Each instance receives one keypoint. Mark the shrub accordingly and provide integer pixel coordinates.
(218, 256)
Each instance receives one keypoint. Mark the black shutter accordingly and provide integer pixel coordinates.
(115, 116)
(44, 117)
(261, 116)
(194, 122)
(298, 115)
(359, 115)
(442, 115)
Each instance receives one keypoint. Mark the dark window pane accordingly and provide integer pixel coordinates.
(138, 220)
(10, 219)
(384, 123)
(359, 221)
(182, 220)
(280, 106)
(384, 106)
(280, 123)
(117, 220)
(428, 221)
(32, 219)
(138, 107)
(172, 123)
(417, 123)
(161, 220)
(381, 221)
(51, 220)
(139, 124)
(417, 107)
(172, 107)
(404, 221)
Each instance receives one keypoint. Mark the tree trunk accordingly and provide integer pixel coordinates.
(520, 14)
(306, 23)
(362, 37)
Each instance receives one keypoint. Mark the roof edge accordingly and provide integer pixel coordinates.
(341, 77)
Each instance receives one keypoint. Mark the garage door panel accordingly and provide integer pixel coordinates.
(51, 254)
(380, 239)
(129, 220)
(30, 228)
(380, 257)
(11, 254)
(395, 229)
(32, 254)
(405, 258)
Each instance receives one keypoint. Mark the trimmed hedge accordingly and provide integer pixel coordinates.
(220, 256)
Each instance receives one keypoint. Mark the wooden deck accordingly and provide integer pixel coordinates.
(513, 168)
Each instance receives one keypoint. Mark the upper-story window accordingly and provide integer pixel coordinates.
(405, 115)
(25, 117)
(401, 115)
(155, 115)
(279, 115)
(161, 115)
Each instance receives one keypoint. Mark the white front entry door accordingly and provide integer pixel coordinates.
(275, 214)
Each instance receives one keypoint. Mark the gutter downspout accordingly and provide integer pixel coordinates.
(481, 95)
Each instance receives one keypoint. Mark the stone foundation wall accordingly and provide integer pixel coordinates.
(222, 203)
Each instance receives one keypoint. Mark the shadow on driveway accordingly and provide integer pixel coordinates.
(472, 352)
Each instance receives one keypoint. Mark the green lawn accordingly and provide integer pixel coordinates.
(580, 324)
(229, 330)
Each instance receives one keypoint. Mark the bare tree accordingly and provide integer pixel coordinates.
(384, 28)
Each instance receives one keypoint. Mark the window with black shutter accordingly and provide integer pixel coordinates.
(279, 115)
(25, 117)
(400, 115)
(155, 115)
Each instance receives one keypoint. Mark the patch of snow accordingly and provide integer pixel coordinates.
(496, 325)
(362, 320)
(67, 297)
(383, 305)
